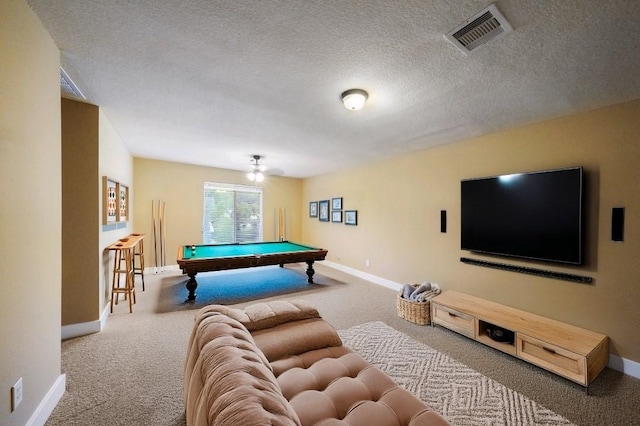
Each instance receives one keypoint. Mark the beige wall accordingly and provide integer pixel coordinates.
(116, 162)
(30, 210)
(399, 203)
(79, 206)
(91, 149)
(180, 186)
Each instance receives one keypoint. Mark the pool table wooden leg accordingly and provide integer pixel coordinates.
(192, 284)
(310, 271)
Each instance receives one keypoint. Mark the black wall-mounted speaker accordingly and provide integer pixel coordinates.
(617, 224)
(443, 221)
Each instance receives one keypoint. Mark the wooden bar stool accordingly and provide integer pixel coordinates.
(138, 253)
(123, 265)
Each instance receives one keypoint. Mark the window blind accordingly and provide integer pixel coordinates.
(232, 213)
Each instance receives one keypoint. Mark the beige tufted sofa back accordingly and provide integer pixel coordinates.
(290, 370)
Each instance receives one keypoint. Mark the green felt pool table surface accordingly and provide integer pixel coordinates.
(245, 249)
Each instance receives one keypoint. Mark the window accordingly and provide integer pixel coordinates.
(232, 214)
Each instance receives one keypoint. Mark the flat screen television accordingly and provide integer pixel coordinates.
(535, 215)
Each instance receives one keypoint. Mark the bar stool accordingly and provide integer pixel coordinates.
(123, 255)
(138, 267)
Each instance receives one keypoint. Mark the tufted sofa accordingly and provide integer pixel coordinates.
(280, 363)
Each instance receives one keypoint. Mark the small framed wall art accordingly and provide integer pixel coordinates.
(313, 209)
(351, 217)
(323, 210)
(336, 203)
(336, 216)
(123, 203)
(109, 200)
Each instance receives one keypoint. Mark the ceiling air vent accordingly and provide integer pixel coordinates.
(68, 87)
(486, 25)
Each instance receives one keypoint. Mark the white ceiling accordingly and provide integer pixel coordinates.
(213, 82)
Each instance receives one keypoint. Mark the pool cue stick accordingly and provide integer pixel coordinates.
(161, 226)
(160, 231)
(280, 224)
(163, 238)
(160, 235)
(160, 265)
(155, 252)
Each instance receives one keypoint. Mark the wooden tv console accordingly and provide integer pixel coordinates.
(571, 352)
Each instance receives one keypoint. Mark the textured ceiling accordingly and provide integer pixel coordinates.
(213, 82)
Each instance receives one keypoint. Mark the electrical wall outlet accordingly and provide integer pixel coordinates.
(367, 262)
(16, 394)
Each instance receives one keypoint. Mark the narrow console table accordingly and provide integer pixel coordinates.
(571, 352)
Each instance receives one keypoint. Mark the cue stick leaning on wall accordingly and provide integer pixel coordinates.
(158, 214)
(163, 235)
(153, 223)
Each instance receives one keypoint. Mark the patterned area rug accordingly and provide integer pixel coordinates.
(464, 396)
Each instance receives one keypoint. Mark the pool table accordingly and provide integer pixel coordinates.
(216, 257)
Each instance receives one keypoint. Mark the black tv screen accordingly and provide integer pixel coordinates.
(536, 215)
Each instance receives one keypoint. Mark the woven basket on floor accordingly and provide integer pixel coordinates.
(416, 312)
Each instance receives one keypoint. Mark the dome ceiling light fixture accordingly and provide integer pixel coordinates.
(256, 174)
(354, 99)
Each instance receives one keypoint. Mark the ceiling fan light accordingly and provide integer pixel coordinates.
(354, 99)
(256, 174)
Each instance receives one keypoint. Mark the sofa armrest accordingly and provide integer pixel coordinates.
(295, 338)
(265, 315)
(281, 328)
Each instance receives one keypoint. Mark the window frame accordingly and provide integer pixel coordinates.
(235, 188)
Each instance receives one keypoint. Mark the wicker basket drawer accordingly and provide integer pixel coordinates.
(553, 358)
(454, 320)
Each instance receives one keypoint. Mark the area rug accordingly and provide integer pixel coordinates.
(234, 286)
(461, 394)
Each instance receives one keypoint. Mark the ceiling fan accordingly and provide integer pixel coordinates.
(257, 170)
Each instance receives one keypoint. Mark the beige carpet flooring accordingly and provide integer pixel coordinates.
(131, 372)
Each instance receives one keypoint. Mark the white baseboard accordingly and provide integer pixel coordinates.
(51, 399)
(82, 329)
(623, 365)
(365, 276)
(156, 270)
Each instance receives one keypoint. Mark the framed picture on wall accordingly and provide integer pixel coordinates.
(351, 217)
(336, 216)
(109, 200)
(123, 203)
(336, 203)
(323, 210)
(313, 209)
